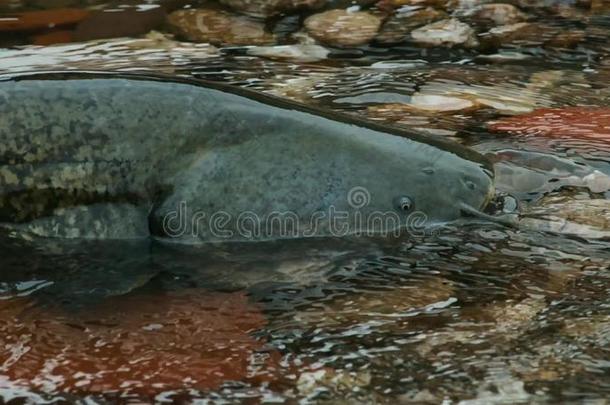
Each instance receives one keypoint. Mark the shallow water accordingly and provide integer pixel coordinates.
(477, 313)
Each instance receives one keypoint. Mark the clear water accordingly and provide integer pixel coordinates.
(478, 313)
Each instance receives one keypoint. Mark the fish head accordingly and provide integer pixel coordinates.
(425, 185)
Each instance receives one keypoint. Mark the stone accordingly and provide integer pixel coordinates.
(40, 20)
(218, 28)
(267, 8)
(297, 53)
(449, 32)
(397, 28)
(585, 218)
(497, 14)
(343, 28)
(439, 103)
(53, 37)
(128, 22)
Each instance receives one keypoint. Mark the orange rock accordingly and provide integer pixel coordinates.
(138, 345)
(53, 37)
(568, 122)
(38, 20)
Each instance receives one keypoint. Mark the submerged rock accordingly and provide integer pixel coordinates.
(343, 28)
(525, 172)
(339, 382)
(218, 28)
(450, 32)
(568, 122)
(40, 20)
(298, 53)
(583, 217)
(438, 103)
(137, 345)
(267, 8)
(127, 22)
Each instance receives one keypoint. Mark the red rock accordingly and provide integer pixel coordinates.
(123, 23)
(38, 20)
(137, 345)
(53, 37)
(568, 122)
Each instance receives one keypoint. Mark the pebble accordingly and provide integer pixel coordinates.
(449, 32)
(343, 28)
(218, 28)
(268, 8)
(397, 28)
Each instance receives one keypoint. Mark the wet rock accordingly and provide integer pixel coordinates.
(583, 217)
(297, 53)
(568, 122)
(511, 317)
(450, 32)
(218, 28)
(267, 8)
(390, 4)
(504, 97)
(533, 34)
(343, 28)
(40, 20)
(53, 37)
(128, 22)
(600, 7)
(436, 103)
(398, 27)
(497, 14)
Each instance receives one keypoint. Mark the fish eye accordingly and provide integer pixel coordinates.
(404, 203)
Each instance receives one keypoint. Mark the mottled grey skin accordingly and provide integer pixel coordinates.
(97, 156)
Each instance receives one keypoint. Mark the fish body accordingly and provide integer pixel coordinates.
(93, 155)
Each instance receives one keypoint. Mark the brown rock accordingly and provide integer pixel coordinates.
(53, 37)
(218, 28)
(497, 13)
(343, 28)
(449, 32)
(40, 20)
(267, 8)
(398, 27)
(124, 23)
